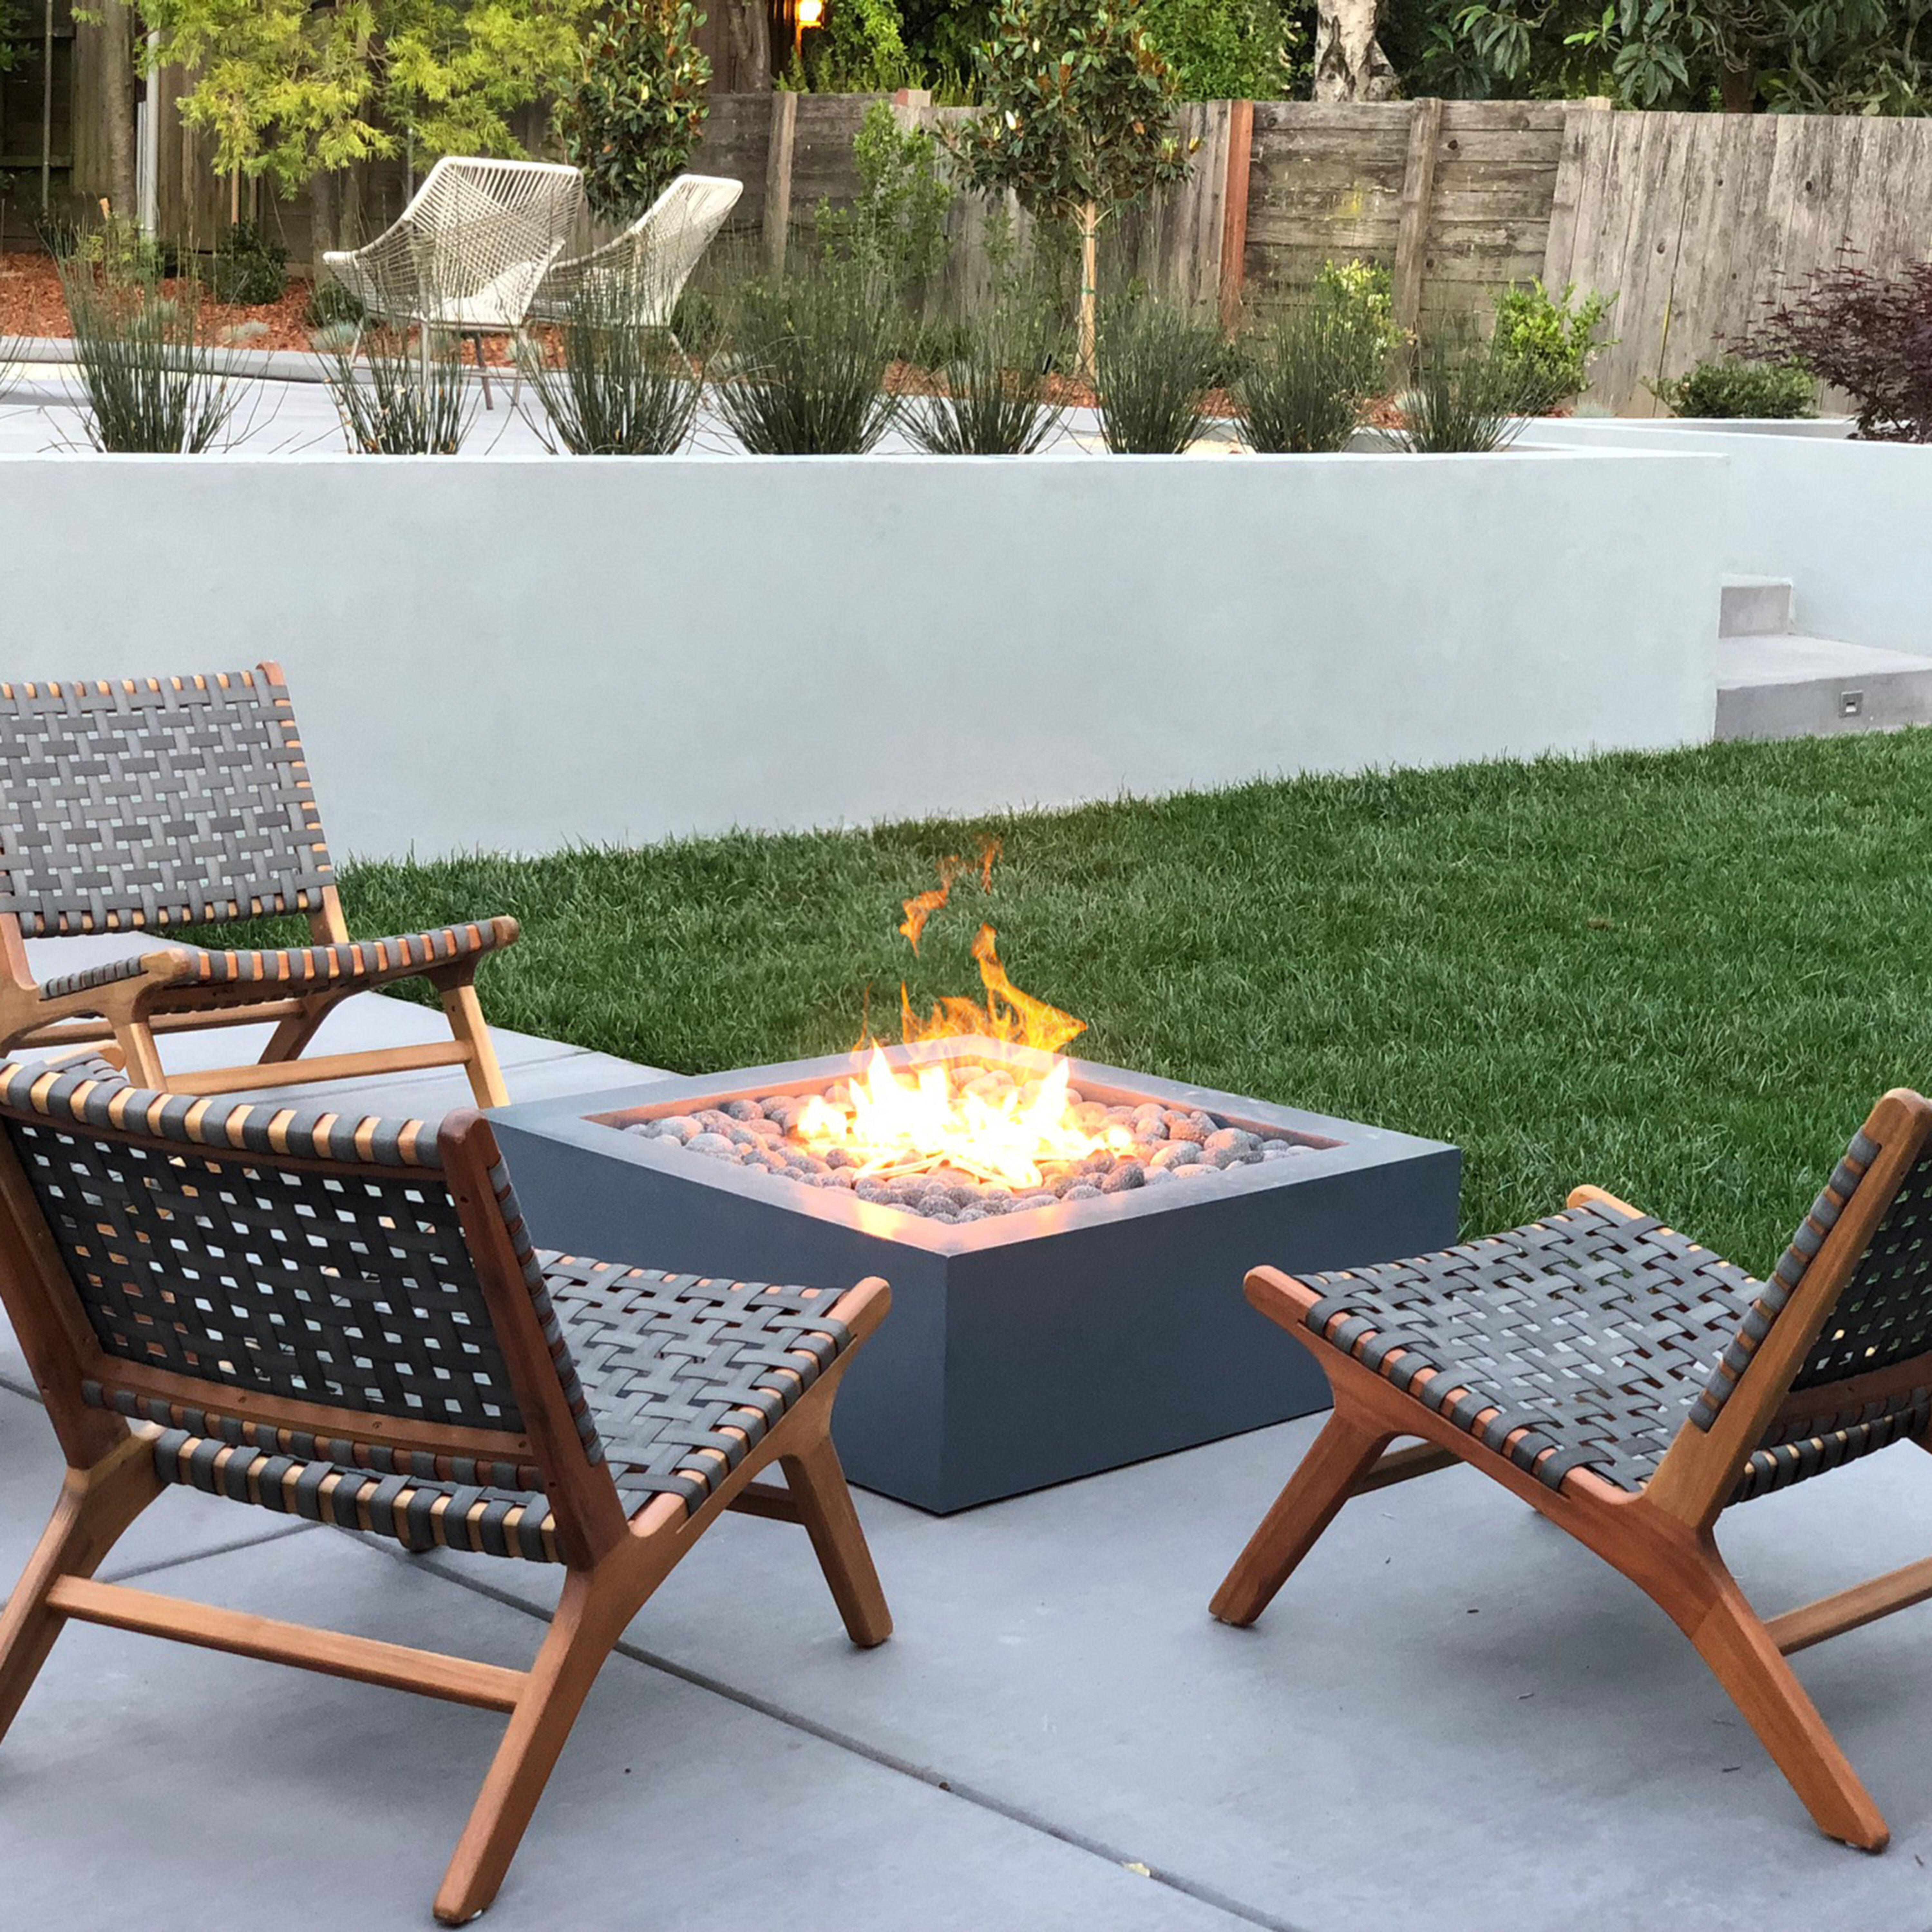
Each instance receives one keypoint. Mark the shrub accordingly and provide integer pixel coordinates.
(631, 119)
(1867, 333)
(896, 230)
(150, 385)
(1468, 395)
(250, 268)
(809, 359)
(329, 304)
(1225, 50)
(863, 50)
(1363, 293)
(995, 401)
(1550, 341)
(1730, 386)
(1155, 366)
(406, 396)
(117, 252)
(620, 390)
(1304, 381)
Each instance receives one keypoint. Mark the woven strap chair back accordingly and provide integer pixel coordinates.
(314, 1258)
(1881, 1318)
(482, 232)
(154, 801)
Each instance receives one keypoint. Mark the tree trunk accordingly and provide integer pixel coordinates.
(321, 219)
(117, 107)
(1737, 88)
(736, 38)
(1087, 368)
(1349, 63)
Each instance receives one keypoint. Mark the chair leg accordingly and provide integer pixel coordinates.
(483, 369)
(818, 1486)
(1348, 1447)
(1731, 1638)
(96, 1504)
(142, 1058)
(590, 1617)
(292, 1036)
(466, 1023)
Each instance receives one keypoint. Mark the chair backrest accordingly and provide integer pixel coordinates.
(484, 232)
(148, 802)
(641, 273)
(310, 1272)
(1869, 1294)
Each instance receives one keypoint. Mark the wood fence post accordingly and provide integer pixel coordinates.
(1418, 190)
(1235, 212)
(778, 177)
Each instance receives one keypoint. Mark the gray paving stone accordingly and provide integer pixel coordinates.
(151, 1784)
(1454, 1717)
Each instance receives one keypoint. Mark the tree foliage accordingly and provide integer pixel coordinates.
(1827, 56)
(1081, 109)
(1229, 49)
(631, 119)
(286, 88)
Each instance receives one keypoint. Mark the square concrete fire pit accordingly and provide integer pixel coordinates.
(1028, 1347)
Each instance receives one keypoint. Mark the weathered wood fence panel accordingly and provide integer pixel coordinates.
(1698, 221)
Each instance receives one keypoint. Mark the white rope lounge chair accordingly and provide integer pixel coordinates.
(470, 251)
(643, 271)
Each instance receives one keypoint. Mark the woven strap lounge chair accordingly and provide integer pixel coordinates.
(641, 273)
(148, 803)
(1631, 1385)
(344, 1320)
(468, 252)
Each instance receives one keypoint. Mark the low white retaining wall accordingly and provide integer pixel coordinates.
(1847, 522)
(518, 655)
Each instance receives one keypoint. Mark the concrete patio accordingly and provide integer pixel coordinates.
(1453, 1718)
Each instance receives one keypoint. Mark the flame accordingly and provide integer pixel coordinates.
(999, 1129)
(1009, 1014)
(905, 1125)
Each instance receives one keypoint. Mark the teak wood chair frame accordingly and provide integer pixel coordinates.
(221, 750)
(110, 1409)
(1761, 1399)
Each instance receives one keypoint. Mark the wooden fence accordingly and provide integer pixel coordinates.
(1694, 220)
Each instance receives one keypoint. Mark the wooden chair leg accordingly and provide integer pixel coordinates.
(590, 1617)
(818, 1486)
(140, 1056)
(292, 1036)
(1348, 1447)
(96, 1504)
(1732, 1639)
(466, 1023)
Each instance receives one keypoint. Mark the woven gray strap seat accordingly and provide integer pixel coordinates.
(1583, 1341)
(1631, 1385)
(344, 1319)
(143, 805)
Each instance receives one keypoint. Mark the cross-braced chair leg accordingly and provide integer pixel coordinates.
(818, 1485)
(96, 1505)
(1743, 1656)
(591, 1615)
(1349, 1447)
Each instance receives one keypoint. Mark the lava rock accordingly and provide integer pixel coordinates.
(712, 1144)
(744, 1110)
(1084, 1190)
(1128, 1174)
(1175, 1154)
(1198, 1170)
(838, 1156)
(1231, 1140)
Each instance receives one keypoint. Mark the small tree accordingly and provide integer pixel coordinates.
(635, 115)
(1079, 121)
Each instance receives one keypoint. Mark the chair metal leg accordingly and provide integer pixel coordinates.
(483, 369)
(818, 1486)
(1348, 1447)
(96, 1504)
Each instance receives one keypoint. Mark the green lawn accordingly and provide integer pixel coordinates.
(1684, 976)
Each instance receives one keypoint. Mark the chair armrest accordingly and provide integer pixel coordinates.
(1599, 1197)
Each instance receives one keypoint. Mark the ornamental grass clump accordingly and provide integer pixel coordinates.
(403, 394)
(1303, 382)
(808, 365)
(150, 383)
(1469, 397)
(995, 402)
(616, 389)
(1155, 365)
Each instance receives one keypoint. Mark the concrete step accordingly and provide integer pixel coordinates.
(1754, 606)
(1794, 687)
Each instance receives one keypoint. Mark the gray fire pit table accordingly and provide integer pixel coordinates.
(1030, 1347)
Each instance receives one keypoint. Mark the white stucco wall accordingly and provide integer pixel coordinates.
(515, 655)
(1850, 523)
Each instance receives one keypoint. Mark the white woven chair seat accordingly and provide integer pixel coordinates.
(640, 274)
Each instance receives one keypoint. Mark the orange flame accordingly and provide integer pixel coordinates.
(1009, 1014)
(920, 909)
